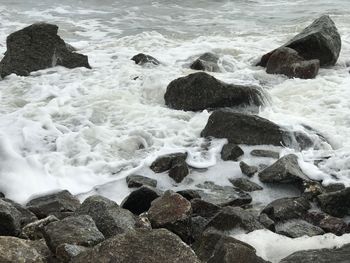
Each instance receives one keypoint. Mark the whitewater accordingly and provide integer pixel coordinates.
(85, 130)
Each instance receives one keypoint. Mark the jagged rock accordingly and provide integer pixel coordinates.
(265, 153)
(329, 224)
(198, 226)
(165, 162)
(38, 47)
(200, 91)
(179, 171)
(34, 230)
(109, 218)
(320, 40)
(139, 180)
(231, 152)
(77, 230)
(248, 169)
(326, 255)
(26, 216)
(173, 212)
(284, 171)
(140, 200)
(287, 208)
(189, 194)
(10, 224)
(297, 228)
(223, 195)
(267, 222)
(335, 203)
(204, 208)
(206, 62)
(66, 252)
(142, 59)
(245, 184)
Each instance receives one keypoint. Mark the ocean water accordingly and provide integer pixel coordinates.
(85, 130)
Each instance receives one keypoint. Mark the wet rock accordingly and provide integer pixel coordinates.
(284, 171)
(200, 91)
(204, 208)
(173, 212)
(139, 180)
(320, 40)
(267, 222)
(245, 184)
(223, 195)
(38, 47)
(2, 195)
(198, 226)
(326, 255)
(140, 200)
(42, 248)
(26, 216)
(287, 208)
(298, 228)
(231, 152)
(179, 171)
(109, 218)
(286, 61)
(66, 252)
(53, 204)
(165, 162)
(10, 224)
(265, 153)
(34, 230)
(142, 59)
(248, 169)
(335, 203)
(206, 62)
(329, 224)
(78, 230)
(189, 194)
(334, 187)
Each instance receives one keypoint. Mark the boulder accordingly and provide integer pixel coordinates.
(267, 222)
(265, 153)
(320, 40)
(34, 230)
(200, 91)
(297, 228)
(335, 203)
(334, 187)
(189, 194)
(245, 184)
(76, 230)
(166, 162)
(135, 180)
(109, 218)
(173, 212)
(326, 255)
(2, 195)
(157, 245)
(206, 62)
(203, 208)
(231, 152)
(198, 226)
(248, 170)
(142, 59)
(26, 216)
(66, 252)
(179, 171)
(140, 200)
(57, 204)
(10, 219)
(38, 47)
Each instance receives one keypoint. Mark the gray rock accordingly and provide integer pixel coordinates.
(200, 91)
(248, 170)
(334, 187)
(109, 218)
(139, 180)
(265, 153)
(179, 171)
(66, 252)
(335, 203)
(165, 162)
(26, 216)
(189, 194)
(204, 208)
(142, 59)
(206, 62)
(34, 230)
(38, 47)
(157, 245)
(297, 228)
(10, 224)
(77, 230)
(329, 224)
(245, 184)
(267, 222)
(198, 226)
(231, 152)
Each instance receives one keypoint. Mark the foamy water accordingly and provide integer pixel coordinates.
(85, 130)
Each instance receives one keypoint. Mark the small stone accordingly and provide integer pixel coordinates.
(206, 62)
(139, 180)
(142, 59)
(179, 171)
(245, 184)
(247, 169)
(231, 152)
(165, 162)
(265, 153)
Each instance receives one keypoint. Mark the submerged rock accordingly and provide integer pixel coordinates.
(245, 184)
(166, 162)
(200, 91)
(139, 180)
(265, 153)
(206, 62)
(231, 152)
(38, 47)
(248, 170)
(297, 228)
(335, 203)
(142, 59)
(10, 224)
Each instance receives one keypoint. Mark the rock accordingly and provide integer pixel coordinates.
(139, 180)
(173, 212)
(2, 195)
(53, 204)
(206, 62)
(165, 162)
(157, 245)
(26, 216)
(297, 228)
(10, 224)
(198, 226)
(267, 222)
(109, 218)
(38, 47)
(326, 255)
(334, 187)
(286, 61)
(231, 152)
(189, 194)
(76, 230)
(42, 248)
(229, 218)
(142, 59)
(335, 203)
(240, 128)
(34, 230)
(320, 40)
(245, 184)
(265, 153)
(204, 208)
(200, 91)
(66, 252)
(223, 195)
(284, 171)
(140, 200)
(287, 208)
(248, 169)
(179, 171)
(15, 250)
(329, 224)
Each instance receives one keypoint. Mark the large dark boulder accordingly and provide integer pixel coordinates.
(320, 40)
(26, 215)
(206, 62)
(335, 203)
(200, 91)
(10, 224)
(153, 246)
(38, 47)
